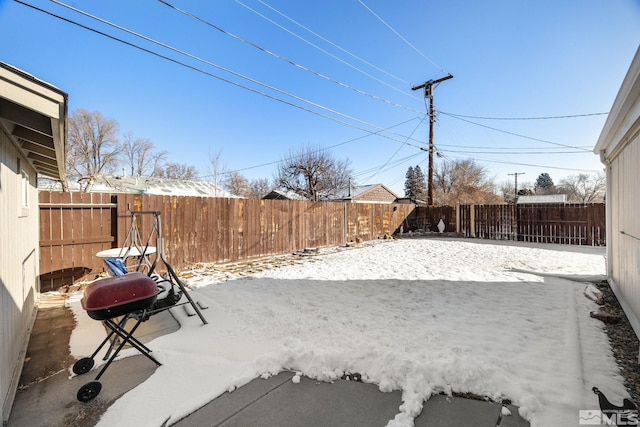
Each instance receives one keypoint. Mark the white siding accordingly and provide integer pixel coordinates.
(619, 149)
(19, 261)
(624, 264)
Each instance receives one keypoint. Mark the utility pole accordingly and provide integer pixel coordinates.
(428, 93)
(515, 194)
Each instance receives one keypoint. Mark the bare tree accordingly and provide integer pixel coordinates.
(217, 169)
(463, 181)
(506, 190)
(313, 173)
(177, 171)
(236, 184)
(140, 155)
(584, 188)
(92, 146)
(258, 188)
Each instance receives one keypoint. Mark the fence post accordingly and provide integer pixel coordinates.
(472, 220)
(514, 221)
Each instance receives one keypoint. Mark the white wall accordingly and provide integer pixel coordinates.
(19, 267)
(619, 149)
(623, 202)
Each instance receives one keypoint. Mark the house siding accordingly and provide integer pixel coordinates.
(624, 242)
(19, 260)
(619, 149)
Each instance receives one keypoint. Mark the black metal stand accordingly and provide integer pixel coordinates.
(91, 389)
(156, 232)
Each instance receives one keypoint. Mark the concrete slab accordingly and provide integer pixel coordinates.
(52, 402)
(278, 401)
(47, 396)
(47, 392)
(451, 411)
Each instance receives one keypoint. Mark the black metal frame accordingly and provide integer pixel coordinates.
(90, 390)
(118, 332)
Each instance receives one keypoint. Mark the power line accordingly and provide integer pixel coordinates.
(514, 134)
(401, 37)
(519, 152)
(353, 55)
(369, 132)
(549, 149)
(396, 152)
(317, 47)
(524, 118)
(531, 165)
(253, 80)
(218, 67)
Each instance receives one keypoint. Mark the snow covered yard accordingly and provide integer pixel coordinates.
(419, 315)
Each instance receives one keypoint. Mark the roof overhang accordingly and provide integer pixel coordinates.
(623, 122)
(34, 115)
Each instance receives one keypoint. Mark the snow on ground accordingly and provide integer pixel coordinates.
(419, 315)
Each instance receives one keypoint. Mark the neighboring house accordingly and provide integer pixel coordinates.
(619, 149)
(33, 117)
(149, 185)
(284, 195)
(409, 200)
(373, 193)
(545, 198)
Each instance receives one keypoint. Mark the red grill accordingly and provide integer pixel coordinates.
(116, 296)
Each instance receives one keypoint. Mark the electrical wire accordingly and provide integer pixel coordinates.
(459, 117)
(524, 118)
(353, 55)
(550, 150)
(218, 67)
(392, 165)
(546, 153)
(369, 132)
(401, 37)
(396, 152)
(242, 76)
(528, 164)
(516, 134)
(287, 60)
(319, 150)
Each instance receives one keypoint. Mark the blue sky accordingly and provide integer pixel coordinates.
(344, 84)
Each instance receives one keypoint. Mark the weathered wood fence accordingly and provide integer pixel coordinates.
(571, 224)
(75, 226)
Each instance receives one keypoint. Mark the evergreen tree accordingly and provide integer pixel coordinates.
(408, 183)
(420, 186)
(544, 184)
(415, 184)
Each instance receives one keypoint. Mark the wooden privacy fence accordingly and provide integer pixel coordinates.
(75, 226)
(571, 224)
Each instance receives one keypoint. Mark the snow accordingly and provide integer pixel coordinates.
(423, 316)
